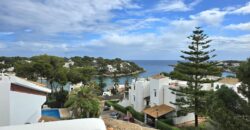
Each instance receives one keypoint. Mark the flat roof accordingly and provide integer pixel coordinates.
(158, 111)
(232, 81)
(158, 76)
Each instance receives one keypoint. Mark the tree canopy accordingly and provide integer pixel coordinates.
(227, 110)
(243, 74)
(195, 70)
(84, 101)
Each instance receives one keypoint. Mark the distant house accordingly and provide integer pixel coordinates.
(21, 100)
(74, 86)
(111, 68)
(69, 63)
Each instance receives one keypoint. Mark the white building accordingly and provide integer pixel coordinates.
(232, 83)
(21, 100)
(74, 86)
(111, 68)
(69, 63)
(149, 95)
(138, 94)
(157, 83)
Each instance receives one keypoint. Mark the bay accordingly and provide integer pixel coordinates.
(152, 67)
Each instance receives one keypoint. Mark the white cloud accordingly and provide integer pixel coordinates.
(136, 24)
(235, 43)
(175, 5)
(242, 10)
(185, 25)
(211, 17)
(241, 26)
(53, 16)
(170, 39)
(6, 33)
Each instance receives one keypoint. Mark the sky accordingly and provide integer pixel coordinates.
(128, 29)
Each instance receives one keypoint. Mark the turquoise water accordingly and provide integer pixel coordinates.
(51, 113)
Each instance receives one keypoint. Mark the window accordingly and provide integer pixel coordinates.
(155, 92)
(134, 87)
(134, 97)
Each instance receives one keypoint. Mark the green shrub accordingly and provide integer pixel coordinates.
(137, 115)
(164, 126)
(117, 107)
(168, 121)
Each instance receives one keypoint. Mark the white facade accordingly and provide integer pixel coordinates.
(20, 107)
(138, 92)
(157, 90)
(169, 97)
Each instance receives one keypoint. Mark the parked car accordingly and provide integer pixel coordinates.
(130, 119)
(114, 115)
(106, 108)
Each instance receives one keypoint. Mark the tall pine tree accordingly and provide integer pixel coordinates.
(195, 69)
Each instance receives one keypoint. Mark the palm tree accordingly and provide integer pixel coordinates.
(84, 102)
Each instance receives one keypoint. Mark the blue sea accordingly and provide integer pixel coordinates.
(152, 67)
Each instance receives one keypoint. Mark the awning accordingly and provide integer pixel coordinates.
(158, 111)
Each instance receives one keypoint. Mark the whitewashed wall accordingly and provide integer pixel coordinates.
(207, 86)
(25, 108)
(4, 101)
(169, 96)
(158, 85)
(183, 119)
(139, 90)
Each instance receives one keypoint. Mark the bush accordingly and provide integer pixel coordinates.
(163, 126)
(168, 121)
(136, 115)
(117, 107)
